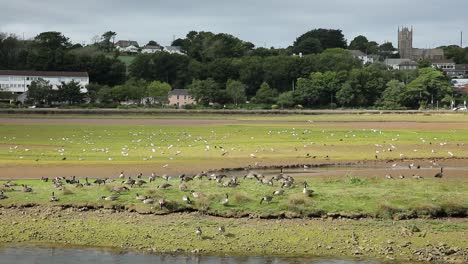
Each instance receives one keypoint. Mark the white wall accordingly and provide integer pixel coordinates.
(20, 84)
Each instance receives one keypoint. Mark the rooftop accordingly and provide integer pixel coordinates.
(43, 73)
(179, 92)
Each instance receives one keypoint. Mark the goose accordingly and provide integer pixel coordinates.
(119, 189)
(139, 183)
(278, 192)
(86, 182)
(2, 196)
(306, 191)
(388, 176)
(141, 197)
(54, 198)
(197, 194)
(198, 232)
(148, 201)
(122, 175)
(401, 176)
(186, 199)
(417, 177)
(440, 174)
(164, 186)
(225, 201)
(26, 188)
(110, 198)
(100, 181)
(266, 198)
(162, 203)
(166, 177)
(152, 177)
(140, 175)
(221, 230)
(129, 181)
(44, 179)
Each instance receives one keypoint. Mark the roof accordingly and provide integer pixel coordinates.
(408, 63)
(357, 53)
(179, 92)
(152, 47)
(44, 73)
(126, 43)
(396, 61)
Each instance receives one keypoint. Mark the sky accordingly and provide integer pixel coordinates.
(265, 23)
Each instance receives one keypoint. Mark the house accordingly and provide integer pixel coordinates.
(180, 97)
(151, 49)
(19, 81)
(127, 46)
(401, 64)
(443, 64)
(460, 71)
(173, 50)
(362, 56)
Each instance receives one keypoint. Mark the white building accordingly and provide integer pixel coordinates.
(443, 64)
(174, 50)
(127, 46)
(401, 64)
(362, 56)
(19, 81)
(151, 49)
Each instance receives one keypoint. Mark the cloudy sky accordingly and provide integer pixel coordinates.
(264, 22)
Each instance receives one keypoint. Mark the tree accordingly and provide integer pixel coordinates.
(236, 91)
(345, 95)
(328, 38)
(52, 40)
(265, 95)
(286, 99)
(308, 46)
(70, 92)
(392, 97)
(40, 91)
(387, 50)
(159, 91)
(104, 95)
(108, 40)
(204, 91)
(359, 43)
(152, 43)
(424, 63)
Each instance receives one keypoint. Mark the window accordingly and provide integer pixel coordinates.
(177, 97)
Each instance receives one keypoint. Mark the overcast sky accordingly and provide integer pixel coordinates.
(263, 22)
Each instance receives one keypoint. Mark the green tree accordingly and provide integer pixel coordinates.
(70, 93)
(108, 39)
(345, 95)
(40, 92)
(52, 40)
(424, 63)
(359, 43)
(236, 91)
(265, 95)
(328, 38)
(392, 97)
(204, 91)
(286, 99)
(104, 95)
(159, 91)
(152, 43)
(308, 46)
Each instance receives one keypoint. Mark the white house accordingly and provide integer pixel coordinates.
(127, 46)
(401, 64)
(362, 56)
(19, 81)
(173, 50)
(151, 49)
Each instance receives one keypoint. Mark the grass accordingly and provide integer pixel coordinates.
(374, 197)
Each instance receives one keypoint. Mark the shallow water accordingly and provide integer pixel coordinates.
(39, 255)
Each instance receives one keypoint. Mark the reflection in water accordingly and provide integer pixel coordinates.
(81, 256)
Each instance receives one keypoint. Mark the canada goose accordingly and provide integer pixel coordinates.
(266, 198)
(278, 192)
(440, 174)
(152, 177)
(99, 181)
(197, 194)
(417, 177)
(139, 183)
(388, 176)
(44, 179)
(26, 188)
(86, 182)
(141, 197)
(306, 191)
(166, 177)
(129, 181)
(186, 199)
(148, 201)
(140, 175)
(122, 175)
(401, 176)
(221, 230)
(110, 198)
(225, 201)
(162, 203)
(198, 232)
(54, 198)
(164, 186)
(119, 189)
(9, 184)
(2, 196)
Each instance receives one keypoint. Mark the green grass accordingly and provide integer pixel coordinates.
(127, 59)
(371, 196)
(269, 142)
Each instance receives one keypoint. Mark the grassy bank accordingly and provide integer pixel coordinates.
(400, 241)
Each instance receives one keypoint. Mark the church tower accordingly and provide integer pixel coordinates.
(405, 42)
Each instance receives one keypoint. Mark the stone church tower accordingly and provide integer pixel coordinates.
(405, 42)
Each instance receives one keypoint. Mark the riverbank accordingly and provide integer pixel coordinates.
(409, 240)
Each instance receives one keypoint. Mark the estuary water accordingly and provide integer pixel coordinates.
(40, 255)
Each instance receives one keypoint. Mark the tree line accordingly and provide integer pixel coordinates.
(221, 69)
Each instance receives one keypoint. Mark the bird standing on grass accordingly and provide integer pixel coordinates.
(440, 174)
(198, 232)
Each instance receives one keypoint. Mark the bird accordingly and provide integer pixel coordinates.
(198, 232)
(186, 199)
(164, 186)
(306, 191)
(119, 189)
(401, 176)
(221, 230)
(110, 198)
(197, 194)
(225, 201)
(278, 192)
(122, 175)
(141, 197)
(440, 174)
(26, 188)
(388, 176)
(148, 201)
(417, 177)
(266, 198)
(54, 198)
(162, 203)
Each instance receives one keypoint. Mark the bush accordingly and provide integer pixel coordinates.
(275, 106)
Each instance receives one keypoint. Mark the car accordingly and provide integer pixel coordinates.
(460, 108)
